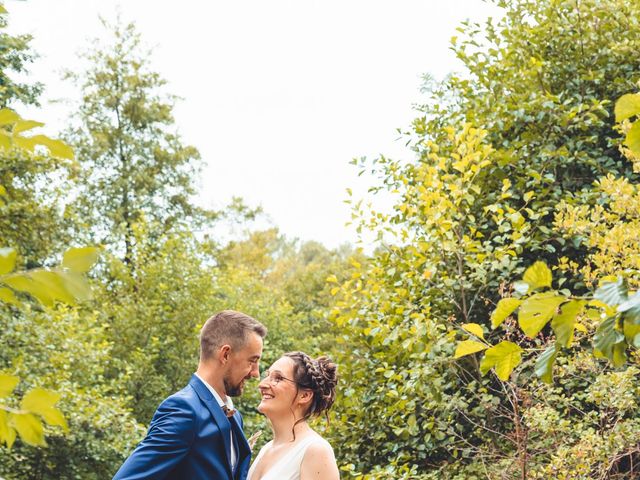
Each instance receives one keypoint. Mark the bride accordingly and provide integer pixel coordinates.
(293, 390)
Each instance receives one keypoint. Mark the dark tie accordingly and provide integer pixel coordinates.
(229, 412)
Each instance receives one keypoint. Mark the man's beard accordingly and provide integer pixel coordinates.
(233, 390)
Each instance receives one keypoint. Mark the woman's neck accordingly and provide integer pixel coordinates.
(283, 429)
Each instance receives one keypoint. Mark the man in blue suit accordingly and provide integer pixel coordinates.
(196, 434)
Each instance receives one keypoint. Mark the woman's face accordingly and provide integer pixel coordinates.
(278, 388)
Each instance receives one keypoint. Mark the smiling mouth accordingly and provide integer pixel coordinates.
(266, 396)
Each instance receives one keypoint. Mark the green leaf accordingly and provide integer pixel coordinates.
(505, 307)
(7, 296)
(80, 259)
(633, 138)
(467, 347)
(636, 341)
(627, 106)
(606, 341)
(538, 276)
(612, 293)
(7, 260)
(7, 384)
(537, 310)
(563, 322)
(29, 427)
(8, 116)
(544, 364)
(2, 9)
(630, 308)
(504, 356)
(41, 402)
(473, 328)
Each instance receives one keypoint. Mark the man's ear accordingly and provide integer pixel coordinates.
(223, 354)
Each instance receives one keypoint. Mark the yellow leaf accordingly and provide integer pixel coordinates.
(5, 429)
(581, 328)
(5, 141)
(39, 400)
(474, 328)
(24, 125)
(80, 259)
(536, 311)
(467, 347)
(504, 357)
(42, 402)
(7, 296)
(7, 384)
(538, 275)
(505, 307)
(7, 260)
(627, 106)
(28, 427)
(8, 116)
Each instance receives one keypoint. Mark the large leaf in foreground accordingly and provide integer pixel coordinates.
(609, 342)
(612, 293)
(467, 347)
(563, 323)
(536, 311)
(505, 307)
(504, 357)
(538, 275)
(627, 106)
(41, 402)
(544, 364)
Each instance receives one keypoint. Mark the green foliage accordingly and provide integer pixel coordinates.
(15, 56)
(135, 168)
(64, 284)
(68, 351)
(506, 157)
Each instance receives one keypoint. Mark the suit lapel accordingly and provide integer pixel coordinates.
(218, 416)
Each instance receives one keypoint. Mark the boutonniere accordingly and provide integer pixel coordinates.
(253, 439)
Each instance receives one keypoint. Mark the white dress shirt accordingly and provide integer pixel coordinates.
(229, 405)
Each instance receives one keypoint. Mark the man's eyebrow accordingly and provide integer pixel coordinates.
(255, 357)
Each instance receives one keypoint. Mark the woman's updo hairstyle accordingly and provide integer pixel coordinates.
(318, 375)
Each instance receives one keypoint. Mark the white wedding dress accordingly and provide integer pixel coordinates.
(287, 467)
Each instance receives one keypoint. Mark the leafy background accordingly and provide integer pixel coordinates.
(493, 333)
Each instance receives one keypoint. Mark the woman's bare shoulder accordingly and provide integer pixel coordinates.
(319, 461)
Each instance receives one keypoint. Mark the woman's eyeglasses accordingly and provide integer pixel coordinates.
(275, 378)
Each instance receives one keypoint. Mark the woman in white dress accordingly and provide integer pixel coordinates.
(294, 389)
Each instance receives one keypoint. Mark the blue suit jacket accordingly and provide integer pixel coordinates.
(189, 439)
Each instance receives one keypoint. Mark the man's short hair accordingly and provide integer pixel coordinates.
(227, 327)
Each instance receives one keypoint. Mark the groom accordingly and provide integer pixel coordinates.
(196, 434)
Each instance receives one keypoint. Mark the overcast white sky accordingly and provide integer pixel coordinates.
(279, 95)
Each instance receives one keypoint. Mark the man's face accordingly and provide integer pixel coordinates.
(244, 364)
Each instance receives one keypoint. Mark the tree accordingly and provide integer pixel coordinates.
(33, 221)
(134, 166)
(15, 56)
(526, 127)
